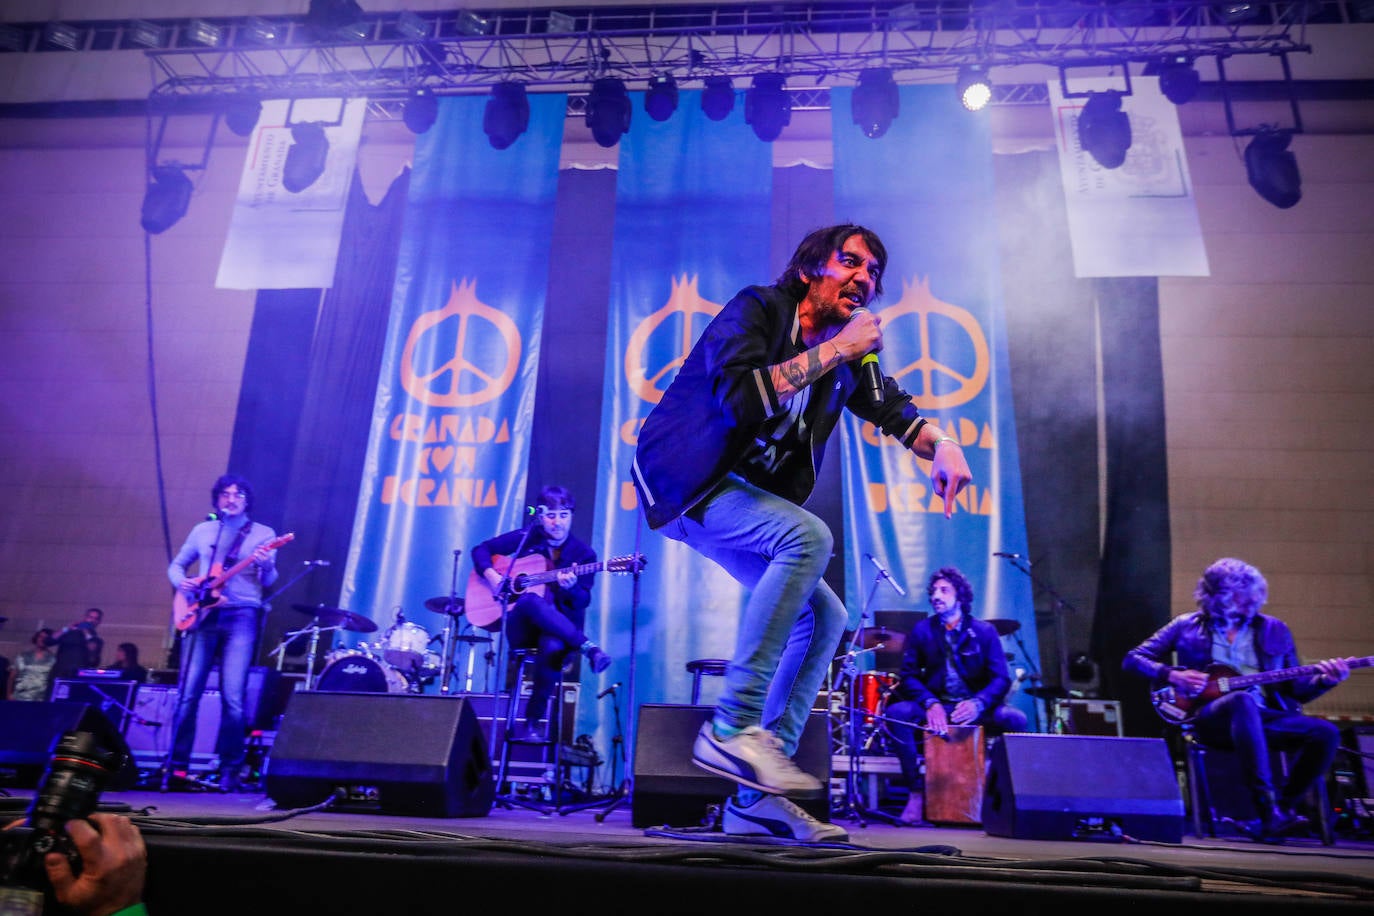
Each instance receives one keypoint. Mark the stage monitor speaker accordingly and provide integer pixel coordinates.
(389, 752)
(1078, 787)
(29, 731)
(671, 790)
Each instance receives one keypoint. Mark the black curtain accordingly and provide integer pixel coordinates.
(1051, 345)
(303, 445)
(1133, 594)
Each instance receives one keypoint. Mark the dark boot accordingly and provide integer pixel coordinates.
(1275, 822)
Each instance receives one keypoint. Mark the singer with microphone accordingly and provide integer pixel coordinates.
(724, 463)
(228, 632)
(953, 673)
(553, 622)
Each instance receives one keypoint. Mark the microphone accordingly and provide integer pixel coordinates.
(869, 377)
(537, 511)
(1009, 556)
(885, 574)
(609, 690)
(316, 562)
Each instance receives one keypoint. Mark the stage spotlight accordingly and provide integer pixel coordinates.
(241, 113)
(608, 110)
(767, 107)
(660, 100)
(469, 23)
(1178, 79)
(146, 34)
(205, 33)
(1104, 130)
(306, 158)
(507, 114)
(422, 108)
(974, 88)
(1236, 13)
(1273, 169)
(875, 102)
(166, 199)
(62, 35)
(718, 98)
(262, 31)
(336, 19)
(412, 27)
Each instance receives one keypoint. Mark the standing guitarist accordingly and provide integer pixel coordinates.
(226, 629)
(1227, 629)
(551, 623)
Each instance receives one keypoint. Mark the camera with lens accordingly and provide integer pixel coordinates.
(70, 789)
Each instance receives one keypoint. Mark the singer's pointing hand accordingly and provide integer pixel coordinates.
(949, 472)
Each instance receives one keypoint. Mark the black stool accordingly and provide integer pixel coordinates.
(701, 667)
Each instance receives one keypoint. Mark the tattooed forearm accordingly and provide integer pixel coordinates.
(798, 372)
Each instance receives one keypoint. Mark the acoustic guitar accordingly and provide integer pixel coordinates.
(1176, 708)
(530, 573)
(189, 610)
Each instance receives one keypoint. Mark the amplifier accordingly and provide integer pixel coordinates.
(1086, 717)
(150, 734)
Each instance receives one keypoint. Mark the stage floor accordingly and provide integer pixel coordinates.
(253, 858)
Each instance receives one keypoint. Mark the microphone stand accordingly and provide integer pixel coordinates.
(626, 789)
(310, 566)
(1058, 604)
(450, 628)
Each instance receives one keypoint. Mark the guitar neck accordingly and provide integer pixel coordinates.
(1287, 674)
(552, 574)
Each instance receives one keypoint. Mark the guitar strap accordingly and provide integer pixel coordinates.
(232, 556)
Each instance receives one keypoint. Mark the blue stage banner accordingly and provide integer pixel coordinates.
(448, 450)
(692, 229)
(926, 188)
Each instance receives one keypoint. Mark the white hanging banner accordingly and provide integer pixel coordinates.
(284, 240)
(1139, 220)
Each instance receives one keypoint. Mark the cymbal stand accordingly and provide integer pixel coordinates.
(853, 805)
(450, 629)
(314, 629)
(626, 790)
(280, 650)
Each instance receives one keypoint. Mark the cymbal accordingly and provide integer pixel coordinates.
(890, 640)
(338, 617)
(443, 604)
(1004, 625)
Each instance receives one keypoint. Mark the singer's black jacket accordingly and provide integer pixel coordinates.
(722, 396)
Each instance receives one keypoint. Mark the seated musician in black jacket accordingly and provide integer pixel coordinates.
(1227, 629)
(552, 622)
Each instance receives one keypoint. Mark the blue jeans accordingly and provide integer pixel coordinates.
(1238, 721)
(534, 622)
(792, 624)
(997, 720)
(232, 635)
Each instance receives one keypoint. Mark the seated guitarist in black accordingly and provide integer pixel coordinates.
(551, 623)
(1228, 629)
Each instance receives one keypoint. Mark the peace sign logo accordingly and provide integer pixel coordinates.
(960, 372)
(461, 355)
(684, 303)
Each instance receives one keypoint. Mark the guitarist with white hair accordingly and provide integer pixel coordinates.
(1234, 674)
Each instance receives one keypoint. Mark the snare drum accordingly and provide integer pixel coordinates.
(405, 647)
(349, 670)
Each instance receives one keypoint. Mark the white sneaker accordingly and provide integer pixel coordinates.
(753, 758)
(773, 815)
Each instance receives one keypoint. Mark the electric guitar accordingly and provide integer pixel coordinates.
(530, 573)
(188, 610)
(1175, 708)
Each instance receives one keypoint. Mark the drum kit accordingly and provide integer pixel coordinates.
(401, 658)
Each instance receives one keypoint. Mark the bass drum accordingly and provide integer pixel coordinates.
(353, 671)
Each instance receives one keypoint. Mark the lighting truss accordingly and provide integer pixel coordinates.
(810, 42)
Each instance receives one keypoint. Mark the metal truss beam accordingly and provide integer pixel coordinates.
(819, 44)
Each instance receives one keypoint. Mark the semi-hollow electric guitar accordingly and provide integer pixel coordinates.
(1176, 708)
(530, 573)
(188, 610)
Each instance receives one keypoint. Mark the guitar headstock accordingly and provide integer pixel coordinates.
(280, 540)
(631, 563)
